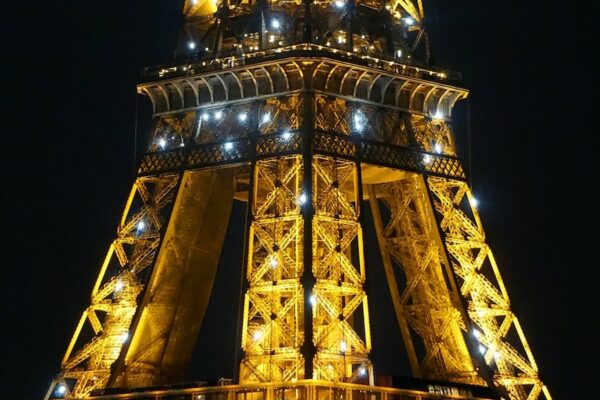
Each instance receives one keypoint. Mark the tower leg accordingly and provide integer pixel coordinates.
(498, 331)
(274, 332)
(427, 303)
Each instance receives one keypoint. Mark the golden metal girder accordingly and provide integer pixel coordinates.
(273, 328)
(172, 309)
(114, 295)
(427, 304)
(481, 284)
(272, 324)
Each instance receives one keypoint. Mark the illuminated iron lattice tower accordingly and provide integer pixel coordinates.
(309, 111)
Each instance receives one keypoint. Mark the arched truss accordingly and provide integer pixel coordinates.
(389, 88)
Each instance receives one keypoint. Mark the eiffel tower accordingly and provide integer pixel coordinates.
(309, 113)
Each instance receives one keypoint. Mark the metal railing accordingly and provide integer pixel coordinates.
(208, 64)
(300, 390)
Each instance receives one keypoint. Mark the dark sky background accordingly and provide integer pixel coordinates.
(68, 158)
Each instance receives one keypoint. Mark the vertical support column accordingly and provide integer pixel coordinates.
(308, 279)
(253, 136)
(273, 303)
(339, 295)
(307, 33)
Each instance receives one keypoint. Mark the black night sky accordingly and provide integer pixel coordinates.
(68, 158)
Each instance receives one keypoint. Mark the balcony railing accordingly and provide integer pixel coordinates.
(208, 64)
(301, 390)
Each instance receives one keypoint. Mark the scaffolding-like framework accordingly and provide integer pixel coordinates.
(308, 112)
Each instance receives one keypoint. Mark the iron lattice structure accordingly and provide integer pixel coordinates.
(308, 111)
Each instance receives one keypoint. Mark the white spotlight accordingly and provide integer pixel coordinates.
(205, 116)
(409, 21)
(399, 53)
(482, 349)
(266, 118)
(257, 335)
(219, 114)
(162, 143)
(437, 148)
(274, 262)
(426, 158)
(313, 299)
(358, 122)
(243, 117)
(124, 337)
(191, 45)
(438, 115)
(287, 135)
(343, 346)
(118, 286)
(302, 199)
(228, 146)
(61, 390)
(275, 24)
(362, 371)
(141, 226)
(474, 202)
(339, 3)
